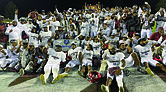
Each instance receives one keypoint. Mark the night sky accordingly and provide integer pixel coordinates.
(25, 6)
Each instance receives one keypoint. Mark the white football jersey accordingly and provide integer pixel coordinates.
(10, 54)
(84, 26)
(144, 51)
(74, 53)
(55, 57)
(85, 43)
(33, 37)
(113, 60)
(54, 26)
(96, 48)
(87, 54)
(46, 36)
(106, 31)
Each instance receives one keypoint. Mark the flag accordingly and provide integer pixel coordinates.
(85, 6)
(98, 6)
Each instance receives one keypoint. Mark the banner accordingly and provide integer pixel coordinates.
(65, 43)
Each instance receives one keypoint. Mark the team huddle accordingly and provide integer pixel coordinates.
(110, 41)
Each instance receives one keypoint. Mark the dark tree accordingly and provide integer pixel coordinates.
(161, 3)
(9, 10)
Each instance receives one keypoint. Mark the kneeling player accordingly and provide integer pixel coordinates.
(55, 57)
(114, 62)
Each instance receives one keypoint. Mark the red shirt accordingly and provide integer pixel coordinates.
(3, 37)
(117, 24)
(155, 36)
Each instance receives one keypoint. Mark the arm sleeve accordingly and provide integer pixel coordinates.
(121, 56)
(7, 30)
(162, 44)
(16, 17)
(20, 34)
(103, 56)
(63, 57)
(106, 37)
(23, 60)
(153, 42)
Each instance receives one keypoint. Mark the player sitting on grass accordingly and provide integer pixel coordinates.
(114, 61)
(54, 59)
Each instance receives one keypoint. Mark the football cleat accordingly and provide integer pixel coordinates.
(64, 75)
(42, 79)
(127, 72)
(149, 71)
(142, 70)
(21, 72)
(80, 73)
(104, 88)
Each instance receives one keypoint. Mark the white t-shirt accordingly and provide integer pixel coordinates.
(15, 34)
(93, 28)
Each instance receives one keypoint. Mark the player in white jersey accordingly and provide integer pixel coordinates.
(87, 59)
(130, 57)
(3, 54)
(23, 45)
(97, 43)
(33, 37)
(84, 26)
(13, 56)
(134, 39)
(86, 41)
(54, 25)
(163, 45)
(21, 24)
(113, 39)
(29, 25)
(72, 32)
(27, 54)
(124, 38)
(115, 62)
(145, 52)
(93, 28)
(106, 31)
(54, 59)
(14, 33)
(75, 54)
(110, 22)
(45, 35)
